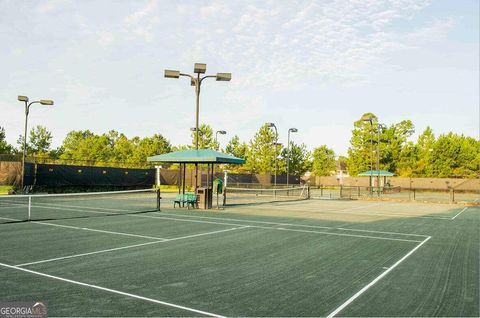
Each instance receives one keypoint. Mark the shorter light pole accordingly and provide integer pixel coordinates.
(275, 144)
(370, 120)
(25, 99)
(288, 152)
(221, 132)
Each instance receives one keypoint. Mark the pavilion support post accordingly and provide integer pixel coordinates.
(179, 182)
(183, 182)
(196, 176)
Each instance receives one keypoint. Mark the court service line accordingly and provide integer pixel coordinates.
(336, 234)
(373, 282)
(96, 210)
(129, 246)
(347, 211)
(291, 224)
(463, 210)
(91, 230)
(114, 291)
(303, 231)
(253, 226)
(101, 231)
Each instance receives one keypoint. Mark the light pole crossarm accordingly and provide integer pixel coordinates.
(208, 76)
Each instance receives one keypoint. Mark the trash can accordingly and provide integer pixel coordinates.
(204, 198)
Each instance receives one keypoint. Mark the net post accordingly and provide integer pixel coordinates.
(158, 199)
(29, 207)
(308, 191)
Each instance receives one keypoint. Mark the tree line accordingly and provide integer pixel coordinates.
(371, 144)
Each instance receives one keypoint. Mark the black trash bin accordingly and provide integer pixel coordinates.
(204, 196)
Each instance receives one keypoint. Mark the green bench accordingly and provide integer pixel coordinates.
(189, 198)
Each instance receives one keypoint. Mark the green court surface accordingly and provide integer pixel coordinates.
(301, 258)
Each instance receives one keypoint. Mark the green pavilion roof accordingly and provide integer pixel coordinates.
(196, 156)
(374, 173)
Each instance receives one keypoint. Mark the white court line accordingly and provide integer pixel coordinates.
(9, 219)
(253, 226)
(92, 230)
(337, 234)
(100, 231)
(463, 210)
(361, 291)
(347, 211)
(130, 246)
(114, 291)
(304, 231)
(291, 224)
(69, 207)
(96, 210)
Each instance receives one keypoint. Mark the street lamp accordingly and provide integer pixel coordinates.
(288, 151)
(370, 120)
(269, 125)
(379, 127)
(221, 132)
(199, 68)
(21, 98)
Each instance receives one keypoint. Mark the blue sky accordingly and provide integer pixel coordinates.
(314, 65)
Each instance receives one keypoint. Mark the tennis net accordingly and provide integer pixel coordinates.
(14, 208)
(238, 196)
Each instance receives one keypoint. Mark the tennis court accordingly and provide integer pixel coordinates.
(114, 255)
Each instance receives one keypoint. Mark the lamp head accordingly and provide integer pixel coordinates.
(222, 132)
(46, 102)
(22, 98)
(293, 129)
(200, 68)
(368, 119)
(225, 77)
(193, 129)
(270, 124)
(172, 74)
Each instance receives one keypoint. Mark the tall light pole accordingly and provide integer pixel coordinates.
(25, 99)
(276, 155)
(370, 120)
(379, 126)
(288, 152)
(199, 68)
(221, 132)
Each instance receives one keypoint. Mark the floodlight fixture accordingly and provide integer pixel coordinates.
(225, 77)
(46, 102)
(22, 98)
(222, 132)
(200, 68)
(172, 74)
(196, 81)
(368, 119)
